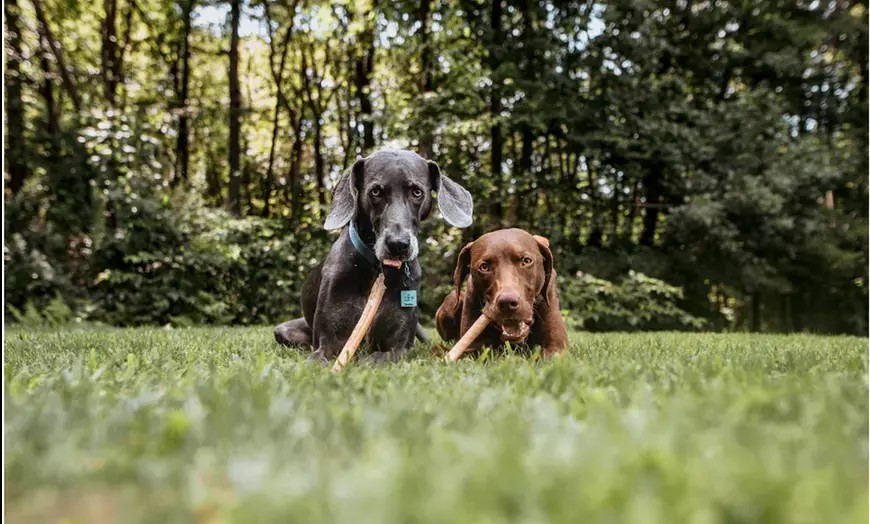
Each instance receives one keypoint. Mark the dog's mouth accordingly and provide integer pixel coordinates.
(514, 330)
(514, 327)
(395, 256)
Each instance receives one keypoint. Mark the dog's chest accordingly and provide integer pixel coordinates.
(396, 319)
(399, 302)
(394, 325)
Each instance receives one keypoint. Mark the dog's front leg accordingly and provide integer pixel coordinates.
(330, 343)
(332, 340)
(550, 333)
(385, 357)
(334, 322)
(388, 356)
(392, 334)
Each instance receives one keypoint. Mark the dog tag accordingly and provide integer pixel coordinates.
(408, 298)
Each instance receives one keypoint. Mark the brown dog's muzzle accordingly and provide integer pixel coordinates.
(510, 313)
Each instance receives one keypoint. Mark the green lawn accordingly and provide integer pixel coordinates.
(222, 425)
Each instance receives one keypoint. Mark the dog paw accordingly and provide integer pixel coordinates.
(318, 357)
(380, 358)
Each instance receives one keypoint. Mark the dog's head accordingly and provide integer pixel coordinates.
(389, 193)
(510, 271)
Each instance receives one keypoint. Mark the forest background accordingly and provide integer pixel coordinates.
(695, 164)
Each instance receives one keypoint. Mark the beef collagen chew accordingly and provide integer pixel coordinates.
(362, 326)
(473, 332)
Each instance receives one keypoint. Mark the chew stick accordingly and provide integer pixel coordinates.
(362, 325)
(473, 332)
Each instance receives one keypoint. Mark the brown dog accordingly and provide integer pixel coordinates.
(509, 277)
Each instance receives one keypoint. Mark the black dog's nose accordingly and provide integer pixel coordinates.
(508, 301)
(398, 245)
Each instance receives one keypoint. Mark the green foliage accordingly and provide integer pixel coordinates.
(637, 302)
(198, 265)
(719, 147)
(55, 313)
(29, 273)
(220, 424)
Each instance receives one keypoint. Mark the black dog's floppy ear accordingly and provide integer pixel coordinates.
(462, 267)
(344, 197)
(454, 201)
(544, 247)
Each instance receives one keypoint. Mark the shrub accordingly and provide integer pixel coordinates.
(55, 313)
(215, 269)
(637, 302)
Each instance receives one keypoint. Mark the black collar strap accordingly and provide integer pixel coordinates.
(361, 247)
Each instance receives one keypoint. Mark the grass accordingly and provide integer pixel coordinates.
(222, 425)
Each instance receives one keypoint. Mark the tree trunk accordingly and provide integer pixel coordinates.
(615, 209)
(796, 309)
(57, 51)
(344, 137)
(524, 175)
(235, 110)
(295, 162)
(364, 65)
(425, 16)
(109, 51)
(632, 211)
(126, 41)
(182, 149)
(46, 90)
(16, 164)
(496, 139)
(351, 150)
(214, 189)
(652, 183)
(756, 312)
(280, 100)
(785, 313)
(292, 190)
(595, 205)
(269, 179)
(319, 173)
(316, 115)
(245, 183)
(362, 89)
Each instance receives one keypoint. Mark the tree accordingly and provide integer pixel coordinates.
(235, 110)
(181, 82)
(364, 64)
(16, 163)
(426, 82)
(495, 108)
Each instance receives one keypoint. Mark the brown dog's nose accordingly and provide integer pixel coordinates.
(508, 301)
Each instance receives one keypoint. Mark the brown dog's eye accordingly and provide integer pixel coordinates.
(527, 261)
(484, 267)
(375, 192)
(417, 192)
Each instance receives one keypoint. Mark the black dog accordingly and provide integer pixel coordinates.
(382, 200)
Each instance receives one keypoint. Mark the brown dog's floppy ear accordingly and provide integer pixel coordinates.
(454, 201)
(344, 197)
(544, 247)
(462, 269)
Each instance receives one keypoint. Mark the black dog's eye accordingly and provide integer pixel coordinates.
(484, 267)
(375, 192)
(417, 192)
(527, 261)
